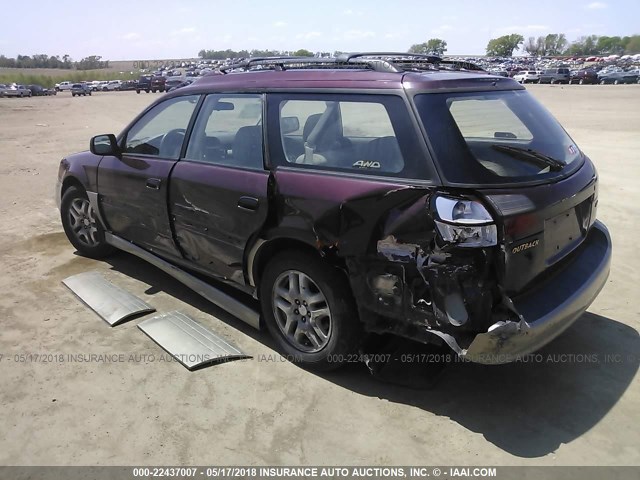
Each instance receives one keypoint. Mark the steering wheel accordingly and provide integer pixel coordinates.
(171, 143)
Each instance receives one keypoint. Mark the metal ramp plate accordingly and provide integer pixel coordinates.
(193, 345)
(112, 303)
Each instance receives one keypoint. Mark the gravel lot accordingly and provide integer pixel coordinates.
(144, 410)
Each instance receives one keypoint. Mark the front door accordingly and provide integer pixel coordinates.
(218, 190)
(133, 189)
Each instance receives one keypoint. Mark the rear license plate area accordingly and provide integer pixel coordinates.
(562, 234)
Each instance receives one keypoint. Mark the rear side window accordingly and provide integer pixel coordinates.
(369, 134)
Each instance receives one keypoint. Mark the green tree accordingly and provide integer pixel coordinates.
(584, 46)
(302, 53)
(555, 44)
(504, 46)
(433, 46)
(633, 45)
(610, 45)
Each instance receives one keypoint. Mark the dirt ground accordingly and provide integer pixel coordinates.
(572, 410)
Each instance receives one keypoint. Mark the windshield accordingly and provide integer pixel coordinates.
(495, 137)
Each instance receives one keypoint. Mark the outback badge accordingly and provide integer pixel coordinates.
(525, 246)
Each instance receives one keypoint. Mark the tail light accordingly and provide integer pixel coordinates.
(465, 223)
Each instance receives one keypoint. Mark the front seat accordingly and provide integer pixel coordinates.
(247, 147)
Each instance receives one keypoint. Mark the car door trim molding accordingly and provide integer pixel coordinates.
(218, 297)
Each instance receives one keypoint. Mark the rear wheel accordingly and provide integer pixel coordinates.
(81, 225)
(308, 309)
(616, 82)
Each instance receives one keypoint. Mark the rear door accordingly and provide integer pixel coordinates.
(218, 191)
(133, 189)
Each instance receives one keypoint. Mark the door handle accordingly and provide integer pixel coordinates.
(153, 183)
(248, 203)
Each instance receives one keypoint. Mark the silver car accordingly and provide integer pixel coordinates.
(16, 90)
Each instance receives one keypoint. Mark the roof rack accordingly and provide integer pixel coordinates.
(390, 62)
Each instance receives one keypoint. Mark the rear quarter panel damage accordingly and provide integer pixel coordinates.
(381, 233)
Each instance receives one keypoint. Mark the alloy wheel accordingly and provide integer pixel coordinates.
(301, 311)
(83, 222)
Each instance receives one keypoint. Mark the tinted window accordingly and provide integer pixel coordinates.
(495, 137)
(228, 131)
(160, 132)
(369, 134)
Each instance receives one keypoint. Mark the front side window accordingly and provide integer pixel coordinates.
(369, 134)
(160, 132)
(495, 137)
(228, 131)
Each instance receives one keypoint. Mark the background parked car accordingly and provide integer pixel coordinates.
(618, 78)
(112, 85)
(80, 89)
(62, 86)
(128, 85)
(555, 75)
(526, 76)
(37, 90)
(581, 77)
(3, 88)
(16, 90)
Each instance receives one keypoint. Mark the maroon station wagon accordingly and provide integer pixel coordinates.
(368, 193)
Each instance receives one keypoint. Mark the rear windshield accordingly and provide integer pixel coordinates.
(491, 138)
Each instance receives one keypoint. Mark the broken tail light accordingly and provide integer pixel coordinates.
(466, 223)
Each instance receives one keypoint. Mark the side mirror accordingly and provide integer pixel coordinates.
(104, 145)
(289, 125)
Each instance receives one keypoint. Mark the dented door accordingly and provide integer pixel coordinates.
(218, 192)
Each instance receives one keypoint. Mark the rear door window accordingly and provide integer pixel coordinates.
(228, 131)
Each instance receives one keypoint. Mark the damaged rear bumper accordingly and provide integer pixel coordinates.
(548, 310)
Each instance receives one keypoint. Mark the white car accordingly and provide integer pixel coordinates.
(527, 76)
(113, 85)
(62, 86)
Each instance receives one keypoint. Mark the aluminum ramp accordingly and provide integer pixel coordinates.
(193, 345)
(112, 303)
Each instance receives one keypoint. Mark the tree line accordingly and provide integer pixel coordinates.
(224, 54)
(555, 44)
(93, 62)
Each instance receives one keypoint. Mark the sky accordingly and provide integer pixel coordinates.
(161, 29)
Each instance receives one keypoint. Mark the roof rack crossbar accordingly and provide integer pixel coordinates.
(390, 62)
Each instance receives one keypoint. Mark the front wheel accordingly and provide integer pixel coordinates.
(81, 225)
(309, 310)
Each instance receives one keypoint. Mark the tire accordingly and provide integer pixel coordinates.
(581, 82)
(602, 82)
(147, 91)
(73, 94)
(89, 93)
(616, 82)
(152, 91)
(81, 225)
(321, 343)
(138, 92)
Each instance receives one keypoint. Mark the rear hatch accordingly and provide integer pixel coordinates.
(508, 150)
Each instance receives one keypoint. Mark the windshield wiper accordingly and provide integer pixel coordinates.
(532, 156)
